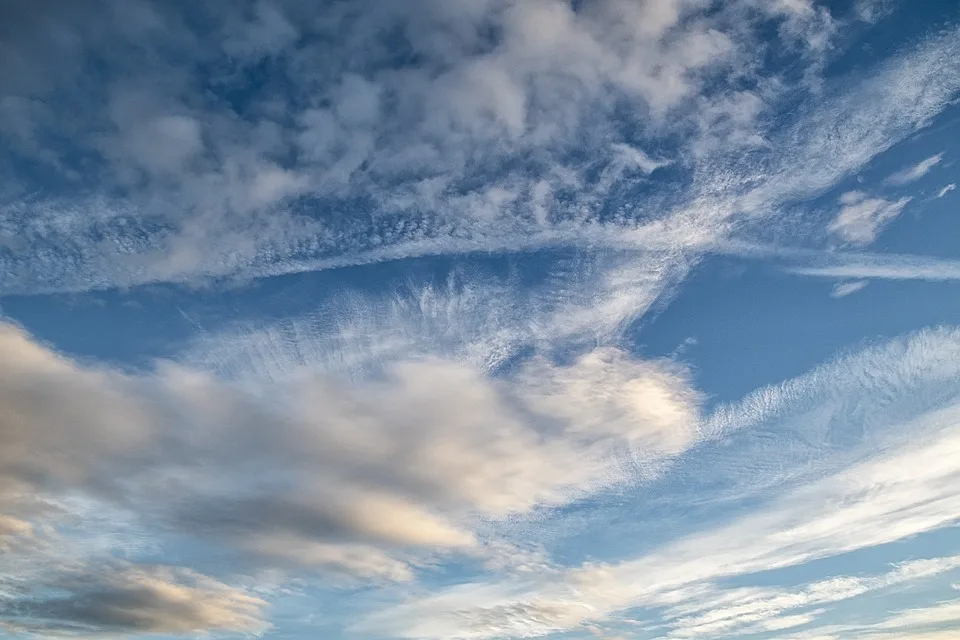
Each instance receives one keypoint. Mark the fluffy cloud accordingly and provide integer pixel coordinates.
(314, 472)
(861, 218)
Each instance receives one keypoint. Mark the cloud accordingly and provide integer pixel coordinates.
(915, 172)
(869, 504)
(878, 266)
(873, 10)
(935, 622)
(481, 316)
(945, 190)
(861, 218)
(843, 289)
(222, 179)
(357, 480)
(733, 611)
(895, 484)
(107, 600)
(911, 363)
(203, 176)
(393, 429)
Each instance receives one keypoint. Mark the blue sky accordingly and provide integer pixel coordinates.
(480, 319)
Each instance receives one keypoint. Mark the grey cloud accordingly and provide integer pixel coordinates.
(118, 599)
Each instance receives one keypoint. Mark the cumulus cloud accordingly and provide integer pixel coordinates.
(316, 472)
(491, 84)
(861, 218)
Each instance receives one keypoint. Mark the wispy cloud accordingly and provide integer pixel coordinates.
(879, 266)
(945, 190)
(211, 194)
(918, 360)
(935, 622)
(844, 289)
(915, 172)
(781, 536)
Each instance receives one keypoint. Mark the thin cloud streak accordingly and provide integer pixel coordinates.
(915, 172)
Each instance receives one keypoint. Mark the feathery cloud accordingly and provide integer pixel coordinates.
(915, 172)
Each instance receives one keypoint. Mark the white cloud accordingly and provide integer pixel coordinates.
(907, 365)
(115, 599)
(314, 472)
(897, 485)
(478, 317)
(934, 622)
(878, 266)
(843, 289)
(875, 502)
(729, 612)
(945, 190)
(861, 218)
(412, 141)
(915, 172)
(873, 10)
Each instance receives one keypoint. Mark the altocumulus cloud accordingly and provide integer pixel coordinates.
(432, 126)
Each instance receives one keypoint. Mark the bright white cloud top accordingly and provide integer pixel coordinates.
(478, 320)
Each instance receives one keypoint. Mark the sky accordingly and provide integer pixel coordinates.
(480, 319)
